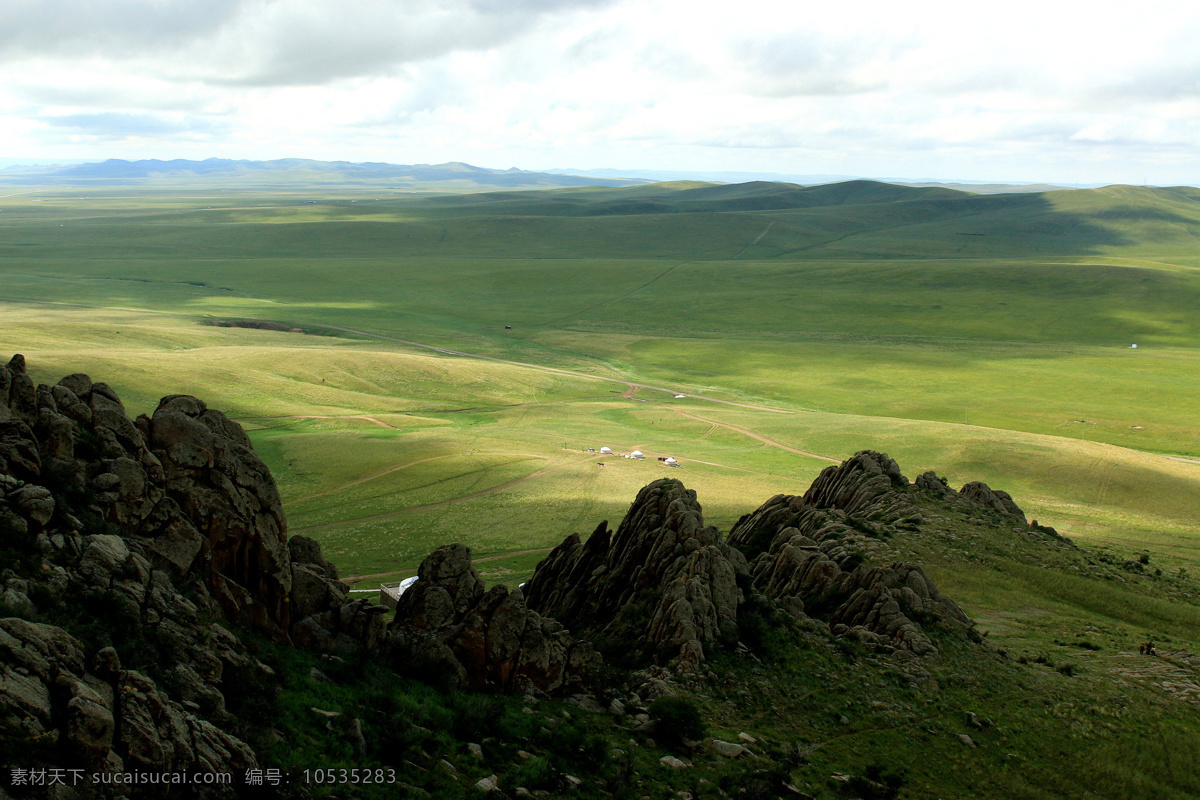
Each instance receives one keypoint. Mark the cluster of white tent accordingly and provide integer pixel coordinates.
(638, 455)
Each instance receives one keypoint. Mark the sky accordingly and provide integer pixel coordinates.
(1063, 92)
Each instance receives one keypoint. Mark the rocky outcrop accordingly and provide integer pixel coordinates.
(225, 492)
(869, 486)
(931, 483)
(996, 500)
(184, 490)
(883, 602)
(666, 580)
(451, 630)
(804, 576)
(323, 617)
(103, 718)
(782, 517)
(663, 579)
(807, 552)
(866, 495)
(975, 496)
(185, 483)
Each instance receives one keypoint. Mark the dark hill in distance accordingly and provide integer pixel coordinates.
(762, 221)
(288, 172)
(681, 197)
(976, 187)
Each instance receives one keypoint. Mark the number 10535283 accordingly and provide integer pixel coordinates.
(343, 775)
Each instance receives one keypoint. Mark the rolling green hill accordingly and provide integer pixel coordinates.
(1012, 311)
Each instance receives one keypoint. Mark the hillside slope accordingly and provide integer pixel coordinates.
(802, 654)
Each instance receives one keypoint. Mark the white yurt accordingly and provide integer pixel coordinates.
(637, 454)
(606, 451)
(669, 461)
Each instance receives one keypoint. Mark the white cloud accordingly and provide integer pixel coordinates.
(1035, 90)
(114, 28)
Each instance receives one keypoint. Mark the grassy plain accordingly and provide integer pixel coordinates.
(982, 336)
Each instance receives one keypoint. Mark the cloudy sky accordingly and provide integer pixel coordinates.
(1070, 92)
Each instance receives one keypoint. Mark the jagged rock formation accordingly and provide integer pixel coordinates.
(666, 580)
(149, 530)
(675, 573)
(864, 486)
(186, 482)
(882, 605)
(805, 551)
(228, 495)
(185, 490)
(975, 495)
(806, 555)
(981, 494)
(448, 628)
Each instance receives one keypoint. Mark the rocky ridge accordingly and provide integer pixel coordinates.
(667, 589)
(802, 558)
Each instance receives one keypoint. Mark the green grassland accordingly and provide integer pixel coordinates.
(984, 337)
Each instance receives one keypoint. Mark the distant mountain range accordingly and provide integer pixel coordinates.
(452, 176)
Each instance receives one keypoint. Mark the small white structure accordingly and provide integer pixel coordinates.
(638, 454)
(606, 451)
(1134, 346)
(669, 461)
(679, 396)
(389, 593)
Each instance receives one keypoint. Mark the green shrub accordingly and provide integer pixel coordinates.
(676, 719)
(875, 784)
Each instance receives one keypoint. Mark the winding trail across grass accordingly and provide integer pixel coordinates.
(368, 478)
(753, 435)
(631, 384)
(365, 417)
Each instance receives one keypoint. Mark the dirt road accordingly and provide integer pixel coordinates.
(754, 435)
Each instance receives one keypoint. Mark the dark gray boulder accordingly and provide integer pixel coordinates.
(449, 629)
